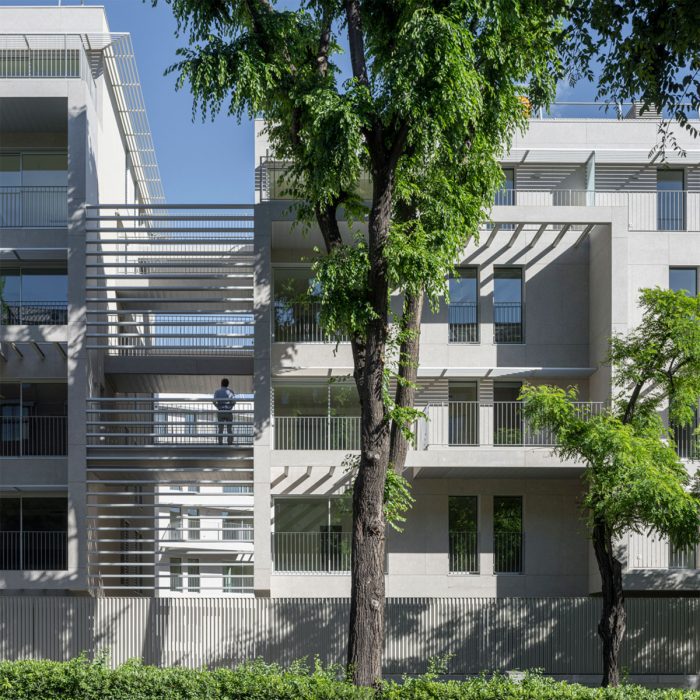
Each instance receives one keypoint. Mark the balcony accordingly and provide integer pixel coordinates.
(33, 436)
(33, 551)
(33, 207)
(317, 432)
(311, 552)
(152, 422)
(33, 313)
(464, 552)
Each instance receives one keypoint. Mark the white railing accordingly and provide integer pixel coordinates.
(316, 432)
(652, 551)
(33, 313)
(501, 423)
(508, 552)
(464, 552)
(33, 551)
(671, 210)
(204, 535)
(135, 422)
(33, 207)
(33, 436)
(311, 552)
(300, 322)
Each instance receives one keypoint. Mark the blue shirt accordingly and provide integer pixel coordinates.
(224, 399)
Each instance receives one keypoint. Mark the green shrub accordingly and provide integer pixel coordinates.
(82, 679)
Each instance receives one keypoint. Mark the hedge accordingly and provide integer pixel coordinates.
(82, 679)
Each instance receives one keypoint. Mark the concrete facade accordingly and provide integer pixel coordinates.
(163, 301)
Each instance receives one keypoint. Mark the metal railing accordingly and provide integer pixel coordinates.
(272, 181)
(300, 322)
(311, 552)
(687, 442)
(463, 321)
(33, 313)
(652, 551)
(508, 552)
(140, 422)
(508, 322)
(127, 334)
(501, 423)
(464, 552)
(33, 207)
(33, 436)
(670, 210)
(33, 551)
(204, 535)
(317, 432)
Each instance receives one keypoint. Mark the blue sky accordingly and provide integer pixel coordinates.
(199, 162)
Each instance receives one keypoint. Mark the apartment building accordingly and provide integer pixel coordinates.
(120, 313)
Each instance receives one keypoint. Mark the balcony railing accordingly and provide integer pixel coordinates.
(33, 313)
(311, 552)
(654, 552)
(463, 320)
(464, 552)
(508, 322)
(33, 207)
(204, 535)
(33, 551)
(687, 443)
(141, 422)
(300, 322)
(317, 432)
(33, 436)
(508, 552)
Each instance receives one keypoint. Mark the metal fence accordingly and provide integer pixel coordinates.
(33, 436)
(36, 207)
(557, 635)
(33, 313)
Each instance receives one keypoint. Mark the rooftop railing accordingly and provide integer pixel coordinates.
(33, 207)
(146, 422)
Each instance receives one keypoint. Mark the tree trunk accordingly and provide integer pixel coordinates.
(612, 625)
(366, 633)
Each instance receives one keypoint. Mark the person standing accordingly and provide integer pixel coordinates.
(224, 400)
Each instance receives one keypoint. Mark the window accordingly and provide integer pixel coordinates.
(508, 305)
(238, 578)
(238, 529)
(670, 200)
(683, 278)
(33, 296)
(506, 195)
(463, 533)
(175, 524)
(193, 575)
(463, 310)
(175, 574)
(463, 425)
(508, 534)
(507, 414)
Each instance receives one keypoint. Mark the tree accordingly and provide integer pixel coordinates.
(436, 94)
(633, 476)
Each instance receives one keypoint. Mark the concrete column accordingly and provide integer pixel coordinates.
(77, 362)
(262, 297)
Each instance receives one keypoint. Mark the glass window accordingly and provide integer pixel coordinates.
(45, 514)
(683, 278)
(464, 547)
(506, 195)
(292, 283)
(10, 170)
(301, 400)
(10, 515)
(507, 305)
(238, 578)
(44, 169)
(463, 513)
(508, 534)
(239, 488)
(463, 286)
(193, 575)
(344, 399)
(670, 200)
(508, 285)
(193, 524)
